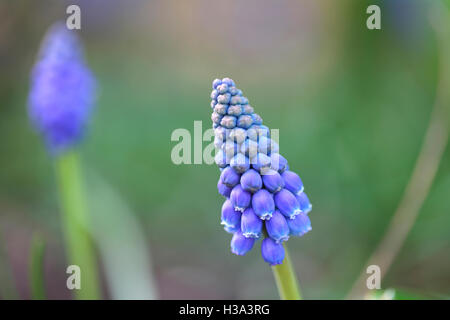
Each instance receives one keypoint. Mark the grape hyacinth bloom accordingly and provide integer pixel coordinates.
(62, 90)
(59, 105)
(264, 199)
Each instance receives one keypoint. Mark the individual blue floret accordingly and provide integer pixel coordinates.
(272, 252)
(292, 182)
(251, 181)
(304, 203)
(263, 204)
(299, 225)
(272, 181)
(229, 177)
(240, 244)
(251, 224)
(223, 189)
(277, 227)
(286, 202)
(240, 198)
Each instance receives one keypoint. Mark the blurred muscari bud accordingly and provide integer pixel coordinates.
(229, 177)
(216, 118)
(255, 132)
(286, 202)
(221, 159)
(257, 119)
(236, 101)
(292, 182)
(240, 244)
(272, 252)
(263, 131)
(265, 145)
(230, 218)
(62, 91)
(263, 204)
(262, 194)
(230, 148)
(260, 162)
(221, 133)
(251, 224)
(247, 109)
(251, 181)
(214, 95)
(252, 133)
(224, 98)
(218, 142)
(240, 198)
(244, 121)
(216, 83)
(304, 203)
(278, 162)
(223, 189)
(240, 163)
(238, 135)
(220, 109)
(234, 110)
(299, 225)
(233, 90)
(277, 227)
(274, 147)
(228, 122)
(221, 89)
(249, 148)
(272, 181)
(228, 81)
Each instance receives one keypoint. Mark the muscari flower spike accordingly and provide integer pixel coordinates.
(62, 90)
(264, 199)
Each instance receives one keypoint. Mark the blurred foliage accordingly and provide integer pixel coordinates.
(352, 112)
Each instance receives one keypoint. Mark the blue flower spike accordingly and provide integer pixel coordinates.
(264, 199)
(62, 91)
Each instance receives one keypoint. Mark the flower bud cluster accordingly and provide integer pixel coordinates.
(264, 199)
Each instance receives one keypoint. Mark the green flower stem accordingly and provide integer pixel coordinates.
(79, 246)
(37, 268)
(286, 279)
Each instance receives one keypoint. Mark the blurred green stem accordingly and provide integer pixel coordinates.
(37, 268)
(75, 223)
(286, 280)
(427, 163)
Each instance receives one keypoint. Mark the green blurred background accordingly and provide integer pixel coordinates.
(352, 106)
